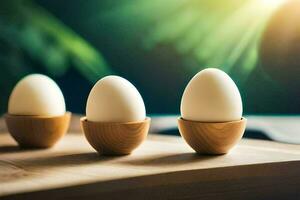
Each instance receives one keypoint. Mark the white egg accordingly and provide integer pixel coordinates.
(36, 94)
(211, 96)
(114, 99)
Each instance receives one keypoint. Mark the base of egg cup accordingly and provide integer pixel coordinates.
(37, 131)
(113, 138)
(212, 138)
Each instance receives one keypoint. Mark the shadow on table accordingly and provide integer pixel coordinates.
(15, 148)
(168, 160)
(67, 160)
(249, 133)
(9, 148)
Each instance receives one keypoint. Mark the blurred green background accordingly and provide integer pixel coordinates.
(158, 45)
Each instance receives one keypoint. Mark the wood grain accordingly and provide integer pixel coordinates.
(115, 138)
(37, 131)
(163, 167)
(212, 138)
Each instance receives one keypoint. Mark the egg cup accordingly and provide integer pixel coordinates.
(113, 138)
(212, 137)
(37, 131)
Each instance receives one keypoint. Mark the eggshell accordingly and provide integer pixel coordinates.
(211, 96)
(36, 94)
(114, 99)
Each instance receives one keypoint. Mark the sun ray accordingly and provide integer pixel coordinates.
(210, 32)
(226, 33)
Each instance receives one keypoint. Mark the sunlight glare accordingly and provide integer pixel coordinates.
(272, 3)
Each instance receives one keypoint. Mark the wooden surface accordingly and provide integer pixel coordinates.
(212, 138)
(163, 167)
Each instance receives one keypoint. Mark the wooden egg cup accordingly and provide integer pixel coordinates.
(112, 138)
(210, 137)
(37, 131)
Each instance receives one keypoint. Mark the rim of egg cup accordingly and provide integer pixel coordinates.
(215, 138)
(37, 131)
(115, 138)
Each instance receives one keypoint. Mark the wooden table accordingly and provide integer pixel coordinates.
(163, 167)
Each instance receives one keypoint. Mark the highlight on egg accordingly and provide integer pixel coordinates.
(211, 96)
(36, 95)
(115, 99)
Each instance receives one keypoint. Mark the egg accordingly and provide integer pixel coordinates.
(114, 99)
(36, 94)
(211, 96)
